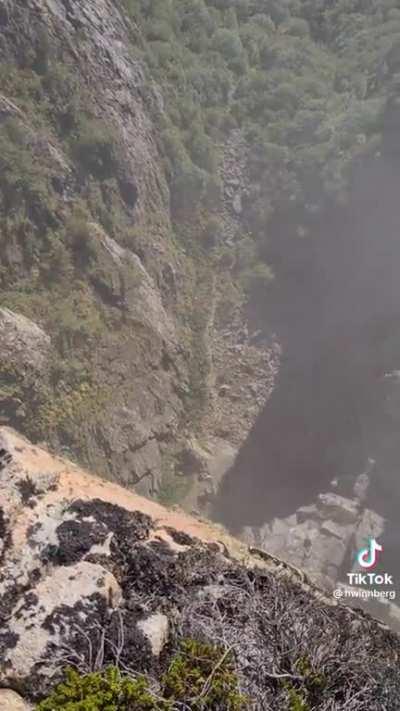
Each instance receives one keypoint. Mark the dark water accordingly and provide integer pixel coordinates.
(336, 311)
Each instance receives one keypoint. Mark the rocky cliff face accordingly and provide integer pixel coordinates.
(93, 574)
(131, 360)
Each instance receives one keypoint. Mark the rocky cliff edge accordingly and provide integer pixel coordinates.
(93, 574)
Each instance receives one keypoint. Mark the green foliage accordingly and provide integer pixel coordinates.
(79, 236)
(254, 275)
(42, 52)
(297, 701)
(212, 231)
(309, 79)
(200, 676)
(204, 676)
(173, 488)
(63, 98)
(95, 148)
(313, 684)
(24, 183)
(106, 691)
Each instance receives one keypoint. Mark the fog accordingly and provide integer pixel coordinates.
(337, 314)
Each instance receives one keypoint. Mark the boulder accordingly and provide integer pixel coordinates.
(23, 344)
(123, 281)
(317, 537)
(10, 701)
(156, 630)
(371, 525)
(65, 600)
(342, 533)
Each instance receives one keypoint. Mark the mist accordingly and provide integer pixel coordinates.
(337, 315)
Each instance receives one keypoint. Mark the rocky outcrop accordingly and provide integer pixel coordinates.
(25, 351)
(23, 345)
(94, 575)
(323, 538)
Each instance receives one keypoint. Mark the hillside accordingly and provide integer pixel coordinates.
(199, 301)
(150, 206)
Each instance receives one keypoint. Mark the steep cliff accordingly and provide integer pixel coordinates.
(189, 189)
(136, 353)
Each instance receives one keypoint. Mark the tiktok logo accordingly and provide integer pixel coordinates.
(368, 557)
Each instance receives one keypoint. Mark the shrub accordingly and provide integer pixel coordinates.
(203, 675)
(95, 148)
(228, 43)
(203, 151)
(200, 677)
(158, 30)
(101, 691)
(24, 181)
(79, 236)
(64, 94)
(188, 186)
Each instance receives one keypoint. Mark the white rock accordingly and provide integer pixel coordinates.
(156, 630)
(64, 588)
(10, 701)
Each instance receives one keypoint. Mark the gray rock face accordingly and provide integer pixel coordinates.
(193, 459)
(148, 290)
(140, 367)
(320, 537)
(22, 343)
(344, 511)
(136, 455)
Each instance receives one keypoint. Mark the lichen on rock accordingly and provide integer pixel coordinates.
(94, 575)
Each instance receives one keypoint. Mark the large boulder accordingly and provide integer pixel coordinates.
(23, 344)
(65, 540)
(24, 355)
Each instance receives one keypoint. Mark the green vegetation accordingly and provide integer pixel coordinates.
(100, 691)
(201, 676)
(307, 83)
(173, 488)
(47, 243)
(313, 684)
